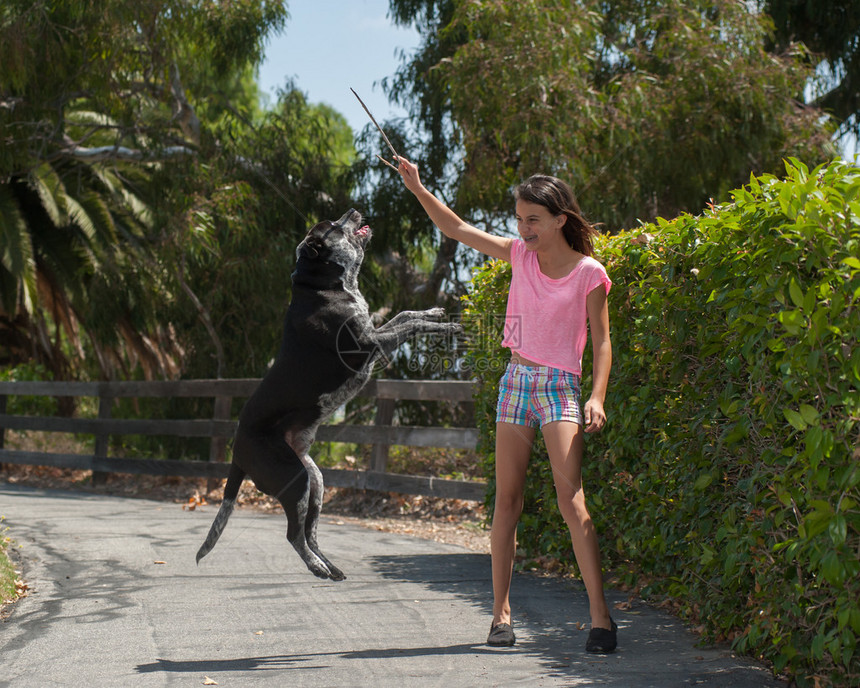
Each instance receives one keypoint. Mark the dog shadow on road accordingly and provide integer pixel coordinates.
(300, 660)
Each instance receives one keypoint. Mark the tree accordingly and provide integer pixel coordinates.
(130, 62)
(647, 107)
(72, 235)
(98, 108)
(830, 30)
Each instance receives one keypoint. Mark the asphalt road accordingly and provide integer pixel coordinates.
(116, 600)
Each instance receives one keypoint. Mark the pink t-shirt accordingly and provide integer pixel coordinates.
(546, 319)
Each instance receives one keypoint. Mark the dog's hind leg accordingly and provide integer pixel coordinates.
(308, 511)
(289, 481)
(277, 470)
(231, 491)
(317, 489)
(297, 519)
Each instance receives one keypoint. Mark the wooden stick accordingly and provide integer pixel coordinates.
(373, 119)
(386, 162)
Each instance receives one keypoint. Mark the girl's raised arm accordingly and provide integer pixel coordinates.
(448, 222)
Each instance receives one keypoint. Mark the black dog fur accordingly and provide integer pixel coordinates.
(327, 353)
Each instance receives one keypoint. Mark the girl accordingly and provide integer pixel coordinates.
(556, 286)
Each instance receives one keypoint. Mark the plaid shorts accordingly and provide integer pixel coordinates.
(536, 396)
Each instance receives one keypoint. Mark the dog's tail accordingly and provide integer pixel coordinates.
(231, 491)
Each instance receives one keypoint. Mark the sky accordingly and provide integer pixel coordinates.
(330, 46)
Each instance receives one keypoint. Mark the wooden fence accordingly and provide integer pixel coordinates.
(221, 426)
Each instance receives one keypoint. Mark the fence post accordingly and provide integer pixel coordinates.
(218, 445)
(102, 438)
(384, 416)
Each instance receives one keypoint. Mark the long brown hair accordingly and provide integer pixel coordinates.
(557, 197)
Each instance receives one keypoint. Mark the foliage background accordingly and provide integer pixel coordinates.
(727, 477)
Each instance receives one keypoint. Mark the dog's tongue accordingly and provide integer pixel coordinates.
(363, 231)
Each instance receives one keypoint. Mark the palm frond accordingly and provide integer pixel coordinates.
(121, 188)
(102, 225)
(45, 181)
(16, 254)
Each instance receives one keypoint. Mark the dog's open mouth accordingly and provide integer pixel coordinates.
(363, 232)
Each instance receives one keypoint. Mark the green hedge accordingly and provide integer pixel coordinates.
(727, 476)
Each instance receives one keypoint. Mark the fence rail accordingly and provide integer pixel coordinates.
(382, 434)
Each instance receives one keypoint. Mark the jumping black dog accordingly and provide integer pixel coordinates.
(327, 354)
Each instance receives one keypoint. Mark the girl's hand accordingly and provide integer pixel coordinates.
(409, 174)
(595, 416)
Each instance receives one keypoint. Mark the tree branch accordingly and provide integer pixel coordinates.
(183, 113)
(101, 153)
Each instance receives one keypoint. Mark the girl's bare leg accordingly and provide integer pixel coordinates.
(513, 446)
(564, 443)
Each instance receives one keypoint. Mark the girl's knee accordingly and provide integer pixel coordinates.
(508, 505)
(569, 492)
(571, 503)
